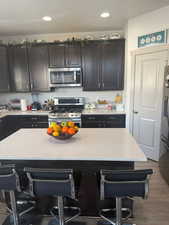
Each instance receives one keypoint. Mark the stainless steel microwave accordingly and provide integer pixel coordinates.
(65, 77)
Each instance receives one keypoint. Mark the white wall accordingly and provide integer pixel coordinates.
(148, 23)
(60, 92)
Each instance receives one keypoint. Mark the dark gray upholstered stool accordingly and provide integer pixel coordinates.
(10, 186)
(58, 183)
(122, 184)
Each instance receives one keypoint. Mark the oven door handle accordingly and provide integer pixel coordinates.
(75, 77)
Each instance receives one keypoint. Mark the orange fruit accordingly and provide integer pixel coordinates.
(65, 129)
(56, 134)
(76, 128)
(71, 124)
(57, 127)
(71, 131)
(49, 130)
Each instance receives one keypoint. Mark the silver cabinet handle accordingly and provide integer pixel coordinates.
(31, 85)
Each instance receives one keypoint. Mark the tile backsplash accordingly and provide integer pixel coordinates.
(61, 92)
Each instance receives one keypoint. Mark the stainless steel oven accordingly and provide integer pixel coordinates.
(67, 109)
(65, 77)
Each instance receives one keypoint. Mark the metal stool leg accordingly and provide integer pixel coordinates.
(60, 210)
(14, 208)
(118, 211)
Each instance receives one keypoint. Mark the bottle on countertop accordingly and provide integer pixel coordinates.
(119, 103)
(118, 99)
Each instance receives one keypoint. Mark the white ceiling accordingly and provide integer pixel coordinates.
(23, 17)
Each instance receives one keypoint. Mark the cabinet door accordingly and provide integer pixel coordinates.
(115, 121)
(93, 121)
(56, 55)
(73, 55)
(12, 124)
(18, 65)
(112, 70)
(91, 67)
(38, 67)
(2, 131)
(4, 72)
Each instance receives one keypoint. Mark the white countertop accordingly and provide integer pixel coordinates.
(84, 112)
(106, 144)
(101, 112)
(18, 112)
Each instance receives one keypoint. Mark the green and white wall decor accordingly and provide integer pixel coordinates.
(152, 39)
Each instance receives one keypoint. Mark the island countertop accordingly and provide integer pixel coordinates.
(106, 144)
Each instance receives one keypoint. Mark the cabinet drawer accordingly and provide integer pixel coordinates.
(103, 121)
(115, 121)
(33, 119)
(35, 125)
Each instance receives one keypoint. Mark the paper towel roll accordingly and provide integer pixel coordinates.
(23, 105)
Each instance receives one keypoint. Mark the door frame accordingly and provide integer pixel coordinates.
(146, 50)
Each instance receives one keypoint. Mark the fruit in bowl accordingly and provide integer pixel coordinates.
(63, 130)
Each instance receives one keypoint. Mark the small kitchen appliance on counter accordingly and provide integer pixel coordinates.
(67, 109)
(23, 105)
(36, 106)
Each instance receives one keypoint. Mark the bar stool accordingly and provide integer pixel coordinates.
(58, 183)
(122, 184)
(10, 184)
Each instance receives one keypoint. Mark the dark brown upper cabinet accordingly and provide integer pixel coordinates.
(65, 55)
(18, 68)
(4, 72)
(38, 67)
(73, 55)
(103, 65)
(91, 66)
(112, 65)
(56, 55)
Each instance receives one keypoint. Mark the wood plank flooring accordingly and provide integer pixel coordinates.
(154, 211)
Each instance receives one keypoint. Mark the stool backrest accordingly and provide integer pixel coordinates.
(125, 183)
(50, 182)
(9, 179)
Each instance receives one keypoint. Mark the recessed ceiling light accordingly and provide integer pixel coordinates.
(105, 15)
(47, 18)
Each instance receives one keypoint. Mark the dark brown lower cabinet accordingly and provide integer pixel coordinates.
(33, 121)
(12, 123)
(103, 121)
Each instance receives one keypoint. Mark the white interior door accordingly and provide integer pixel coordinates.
(148, 98)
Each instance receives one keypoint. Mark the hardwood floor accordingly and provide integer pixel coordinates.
(154, 211)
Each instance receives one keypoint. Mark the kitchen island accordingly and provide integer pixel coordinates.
(86, 153)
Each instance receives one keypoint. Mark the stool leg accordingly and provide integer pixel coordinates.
(14, 208)
(118, 211)
(60, 210)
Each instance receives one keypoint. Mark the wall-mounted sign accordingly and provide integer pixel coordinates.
(152, 39)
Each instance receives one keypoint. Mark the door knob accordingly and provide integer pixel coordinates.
(135, 112)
